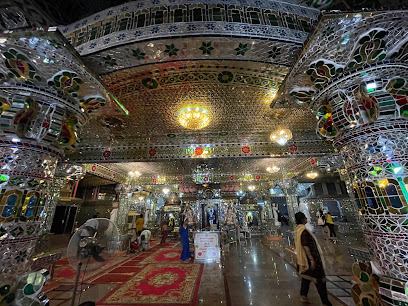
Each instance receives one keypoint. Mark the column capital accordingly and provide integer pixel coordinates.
(46, 94)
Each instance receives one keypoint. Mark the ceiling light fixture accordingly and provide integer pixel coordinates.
(251, 187)
(312, 175)
(134, 173)
(166, 190)
(194, 117)
(281, 136)
(273, 169)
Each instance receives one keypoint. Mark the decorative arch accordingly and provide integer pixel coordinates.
(197, 12)
(30, 204)
(159, 15)
(254, 15)
(235, 13)
(9, 204)
(178, 13)
(124, 22)
(272, 18)
(290, 21)
(216, 12)
(141, 19)
(94, 30)
(108, 26)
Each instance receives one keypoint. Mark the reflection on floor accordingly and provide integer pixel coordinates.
(256, 276)
(255, 272)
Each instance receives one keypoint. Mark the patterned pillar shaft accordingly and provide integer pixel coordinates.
(43, 103)
(289, 188)
(354, 76)
(124, 207)
(377, 165)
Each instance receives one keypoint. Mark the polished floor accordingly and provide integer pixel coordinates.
(255, 272)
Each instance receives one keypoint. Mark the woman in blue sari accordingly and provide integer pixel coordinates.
(185, 254)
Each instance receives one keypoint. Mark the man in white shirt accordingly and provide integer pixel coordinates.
(144, 240)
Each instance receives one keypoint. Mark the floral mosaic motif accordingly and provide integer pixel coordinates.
(206, 47)
(369, 49)
(321, 72)
(225, 77)
(326, 126)
(171, 50)
(68, 134)
(302, 96)
(20, 67)
(274, 52)
(150, 83)
(66, 82)
(367, 105)
(109, 60)
(365, 291)
(92, 104)
(241, 49)
(139, 54)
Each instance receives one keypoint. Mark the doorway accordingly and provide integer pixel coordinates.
(64, 219)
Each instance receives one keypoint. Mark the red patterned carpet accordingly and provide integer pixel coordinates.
(64, 273)
(158, 284)
(163, 255)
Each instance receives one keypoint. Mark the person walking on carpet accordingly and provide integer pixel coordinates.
(185, 254)
(309, 262)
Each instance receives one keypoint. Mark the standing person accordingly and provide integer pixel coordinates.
(321, 221)
(185, 254)
(310, 265)
(164, 230)
(330, 224)
(139, 225)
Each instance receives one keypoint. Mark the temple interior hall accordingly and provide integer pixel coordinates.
(203, 153)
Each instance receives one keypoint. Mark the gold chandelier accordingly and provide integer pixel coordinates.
(312, 174)
(134, 173)
(273, 169)
(281, 136)
(194, 117)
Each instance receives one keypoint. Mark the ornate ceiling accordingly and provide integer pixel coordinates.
(156, 57)
(228, 58)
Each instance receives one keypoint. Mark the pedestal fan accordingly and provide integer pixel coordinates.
(95, 242)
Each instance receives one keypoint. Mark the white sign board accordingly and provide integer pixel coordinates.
(207, 246)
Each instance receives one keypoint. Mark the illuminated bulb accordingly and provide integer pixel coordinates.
(135, 173)
(166, 190)
(273, 169)
(251, 187)
(193, 117)
(312, 174)
(281, 136)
